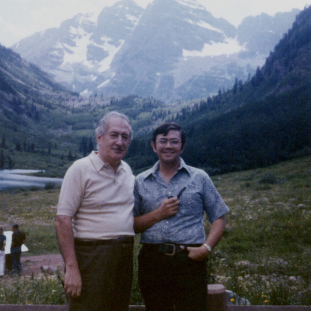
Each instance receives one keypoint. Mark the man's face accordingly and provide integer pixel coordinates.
(168, 147)
(113, 145)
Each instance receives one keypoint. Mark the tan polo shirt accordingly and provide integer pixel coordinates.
(99, 200)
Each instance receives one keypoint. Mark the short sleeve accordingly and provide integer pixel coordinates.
(71, 192)
(137, 200)
(214, 205)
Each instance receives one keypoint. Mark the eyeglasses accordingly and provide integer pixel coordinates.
(173, 142)
(115, 136)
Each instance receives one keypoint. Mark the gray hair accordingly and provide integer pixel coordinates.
(104, 122)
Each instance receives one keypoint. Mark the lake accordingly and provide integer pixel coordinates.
(10, 179)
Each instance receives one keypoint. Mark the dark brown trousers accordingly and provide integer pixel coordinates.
(107, 273)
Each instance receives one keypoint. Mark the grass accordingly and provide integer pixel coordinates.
(45, 289)
(35, 212)
(264, 255)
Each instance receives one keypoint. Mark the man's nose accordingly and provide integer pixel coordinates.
(168, 144)
(119, 140)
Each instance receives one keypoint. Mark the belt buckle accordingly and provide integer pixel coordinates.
(173, 251)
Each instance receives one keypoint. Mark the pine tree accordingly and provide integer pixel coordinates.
(3, 144)
(2, 159)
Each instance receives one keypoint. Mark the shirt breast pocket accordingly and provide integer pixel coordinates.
(191, 203)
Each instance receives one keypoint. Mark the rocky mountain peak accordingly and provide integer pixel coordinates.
(172, 50)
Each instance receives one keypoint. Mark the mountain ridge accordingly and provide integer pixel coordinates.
(172, 50)
(256, 123)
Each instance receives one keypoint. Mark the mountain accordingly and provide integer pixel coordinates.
(25, 91)
(256, 123)
(19, 77)
(44, 126)
(81, 48)
(260, 122)
(267, 118)
(174, 50)
(30, 103)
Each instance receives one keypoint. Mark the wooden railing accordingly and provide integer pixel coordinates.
(141, 308)
(216, 297)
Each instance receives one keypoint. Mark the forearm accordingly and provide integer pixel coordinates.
(142, 223)
(66, 240)
(73, 282)
(168, 208)
(216, 231)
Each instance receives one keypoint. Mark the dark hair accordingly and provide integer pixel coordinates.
(165, 128)
(15, 226)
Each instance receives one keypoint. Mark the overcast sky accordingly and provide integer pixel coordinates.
(22, 18)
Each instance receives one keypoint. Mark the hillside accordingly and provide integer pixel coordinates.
(30, 102)
(263, 121)
(257, 123)
(45, 126)
(264, 255)
(271, 121)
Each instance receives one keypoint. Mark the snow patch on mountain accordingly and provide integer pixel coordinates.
(203, 24)
(228, 47)
(191, 4)
(112, 50)
(208, 26)
(107, 81)
(77, 53)
(132, 18)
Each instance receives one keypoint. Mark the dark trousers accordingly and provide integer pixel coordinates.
(172, 283)
(107, 273)
(16, 260)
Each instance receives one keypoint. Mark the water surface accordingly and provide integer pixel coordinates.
(10, 179)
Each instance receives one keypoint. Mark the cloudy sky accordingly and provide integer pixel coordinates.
(22, 18)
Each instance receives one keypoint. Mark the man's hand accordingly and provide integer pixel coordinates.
(169, 207)
(216, 231)
(73, 282)
(197, 253)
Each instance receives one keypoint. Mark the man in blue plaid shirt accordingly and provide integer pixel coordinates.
(171, 199)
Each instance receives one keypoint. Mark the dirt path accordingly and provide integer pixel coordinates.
(32, 264)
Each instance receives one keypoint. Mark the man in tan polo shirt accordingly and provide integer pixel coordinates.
(94, 222)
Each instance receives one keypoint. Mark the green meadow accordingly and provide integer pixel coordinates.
(264, 256)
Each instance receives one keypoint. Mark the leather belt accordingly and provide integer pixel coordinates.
(121, 239)
(168, 249)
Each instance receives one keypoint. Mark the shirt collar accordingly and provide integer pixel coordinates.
(155, 168)
(100, 164)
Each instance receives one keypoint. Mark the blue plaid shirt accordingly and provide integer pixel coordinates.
(187, 226)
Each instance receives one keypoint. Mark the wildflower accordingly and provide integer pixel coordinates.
(232, 300)
(266, 301)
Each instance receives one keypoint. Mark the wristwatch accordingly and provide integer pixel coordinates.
(208, 247)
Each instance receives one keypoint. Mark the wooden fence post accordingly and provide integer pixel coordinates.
(217, 297)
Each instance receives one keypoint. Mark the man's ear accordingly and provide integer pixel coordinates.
(98, 137)
(182, 150)
(153, 145)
